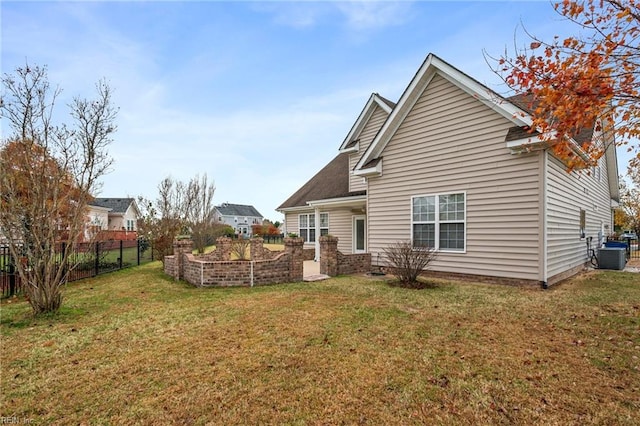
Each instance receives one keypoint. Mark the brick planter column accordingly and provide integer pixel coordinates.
(329, 255)
(257, 249)
(223, 247)
(180, 248)
(293, 246)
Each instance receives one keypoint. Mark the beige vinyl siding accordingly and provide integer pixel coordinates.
(291, 224)
(377, 119)
(451, 142)
(339, 226)
(567, 193)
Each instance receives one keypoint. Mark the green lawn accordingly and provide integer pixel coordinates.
(129, 255)
(135, 347)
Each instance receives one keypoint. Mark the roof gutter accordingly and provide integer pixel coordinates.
(339, 202)
(370, 171)
(545, 223)
(328, 202)
(539, 142)
(292, 209)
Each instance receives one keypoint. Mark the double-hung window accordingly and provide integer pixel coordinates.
(307, 226)
(439, 221)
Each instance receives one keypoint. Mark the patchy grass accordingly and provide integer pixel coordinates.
(419, 284)
(274, 247)
(135, 347)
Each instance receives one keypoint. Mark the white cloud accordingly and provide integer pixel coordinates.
(294, 14)
(371, 15)
(361, 15)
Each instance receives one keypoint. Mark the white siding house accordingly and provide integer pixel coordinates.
(238, 216)
(122, 215)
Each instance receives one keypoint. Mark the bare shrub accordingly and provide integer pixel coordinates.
(240, 248)
(408, 262)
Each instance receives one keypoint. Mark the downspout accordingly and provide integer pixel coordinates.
(317, 226)
(545, 248)
(251, 273)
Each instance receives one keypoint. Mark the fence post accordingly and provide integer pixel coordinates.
(97, 261)
(628, 247)
(64, 264)
(12, 276)
(120, 258)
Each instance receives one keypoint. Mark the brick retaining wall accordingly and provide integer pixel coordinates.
(333, 262)
(215, 268)
(359, 263)
(309, 254)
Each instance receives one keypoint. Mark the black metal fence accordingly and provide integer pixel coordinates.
(267, 239)
(631, 246)
(633, 249)
(86, 260)
(273, 239)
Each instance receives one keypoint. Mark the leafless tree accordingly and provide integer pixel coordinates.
(180, 208)
(48, 173)
(201, 211)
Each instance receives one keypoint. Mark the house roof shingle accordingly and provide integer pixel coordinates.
(332, 181)
(227, 209)
(523, 102)
(117, 205)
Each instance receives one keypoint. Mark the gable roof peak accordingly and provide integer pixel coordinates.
(431, 66)
(374, 101)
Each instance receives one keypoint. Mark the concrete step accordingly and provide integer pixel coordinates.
(316, 277)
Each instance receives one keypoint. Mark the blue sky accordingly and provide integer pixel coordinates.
(257, 95)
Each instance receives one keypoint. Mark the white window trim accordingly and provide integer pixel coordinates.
(316, 226)
(354, 236)
(437, 221)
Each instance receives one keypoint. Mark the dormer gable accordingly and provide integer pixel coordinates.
(351, 142)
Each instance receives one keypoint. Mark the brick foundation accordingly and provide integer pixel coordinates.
(521, 282)
(479, 278)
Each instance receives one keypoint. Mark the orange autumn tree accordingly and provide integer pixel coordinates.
(628, 214)
(582, 82)
(47, 175)
(29, 173)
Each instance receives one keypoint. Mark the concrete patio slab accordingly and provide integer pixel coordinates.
(311, 271)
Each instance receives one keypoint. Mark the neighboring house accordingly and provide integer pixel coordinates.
(240, 217)
(451, 166)
(98, 221)
(116, 217)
